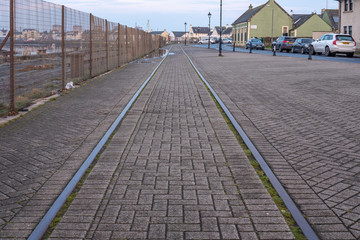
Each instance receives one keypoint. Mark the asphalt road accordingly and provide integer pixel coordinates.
(339, 58)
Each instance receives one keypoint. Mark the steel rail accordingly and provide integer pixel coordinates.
(291, 206)
(41, 228)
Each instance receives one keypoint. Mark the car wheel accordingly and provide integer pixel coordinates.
(328, 52)
(350, 55)
(287, 51)
(302, 51)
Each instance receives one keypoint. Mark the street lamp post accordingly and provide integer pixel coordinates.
(220, 28)
(209, 15)
(272, 26)
(185, 32)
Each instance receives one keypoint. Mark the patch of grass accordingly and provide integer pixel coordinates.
(22, 102)
(295, 229)
(26, 99)
(4, 110)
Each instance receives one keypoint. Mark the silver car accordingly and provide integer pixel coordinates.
(330, 44)
(206, 41)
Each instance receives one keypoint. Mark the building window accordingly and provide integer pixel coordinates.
(351, 5)
(345, 30)
(346, 5)
(285, 31)
(350, 30)
(242, 36)
(245, 36)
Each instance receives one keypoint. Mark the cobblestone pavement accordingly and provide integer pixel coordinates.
(40, 152)
(173, 170)
(303, 116)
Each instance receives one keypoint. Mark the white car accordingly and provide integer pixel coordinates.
(206, 41)
(227, 40)
(331, 44)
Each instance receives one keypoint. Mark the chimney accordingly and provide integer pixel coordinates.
(251, 6)
(291, 13)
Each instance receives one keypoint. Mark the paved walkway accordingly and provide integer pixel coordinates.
(173, 170)
(303, 116)
(40, 152)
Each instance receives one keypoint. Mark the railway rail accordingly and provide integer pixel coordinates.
(58, 204)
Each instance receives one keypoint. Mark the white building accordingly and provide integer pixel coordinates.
(350, 19)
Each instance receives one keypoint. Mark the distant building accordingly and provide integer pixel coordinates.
(164, 34)
(226, 32)
(3, 34)
(198, 32)
(308, 25)
(77, 28)
(178, 36)
(56, 28)
(30, 34)
(331, 17)
(75, 35)
(267, 21)
(349, 21)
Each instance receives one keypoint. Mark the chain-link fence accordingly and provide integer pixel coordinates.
(43, 46)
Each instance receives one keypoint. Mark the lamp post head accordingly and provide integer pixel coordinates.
(185, 24)
(209, 15)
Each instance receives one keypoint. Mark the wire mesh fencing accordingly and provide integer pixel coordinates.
(43, 46)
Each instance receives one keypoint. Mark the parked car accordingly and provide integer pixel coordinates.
(206, 41)
(284, 43)
(227, 40)
(255, 43)
(301, 45)
(330, 44)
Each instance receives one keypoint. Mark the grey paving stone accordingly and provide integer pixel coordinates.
(41, 143)
(304, 127)
(181, 172)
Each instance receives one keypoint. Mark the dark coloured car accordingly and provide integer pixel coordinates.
(255, 43)
(301, 45)
(284, 43)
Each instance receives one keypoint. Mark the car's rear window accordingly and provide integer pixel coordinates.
(344, 38)
(255, 40)
(307, 41)
(290, 39)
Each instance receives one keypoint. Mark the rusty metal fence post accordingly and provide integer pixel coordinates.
(107, 44)
(119, 44)
(63, 52)
(12, 60)
(91, 47)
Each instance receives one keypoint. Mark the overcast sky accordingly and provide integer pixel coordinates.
(172, 14)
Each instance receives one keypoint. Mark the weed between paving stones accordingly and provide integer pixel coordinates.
(72, 196)
(295, 229)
